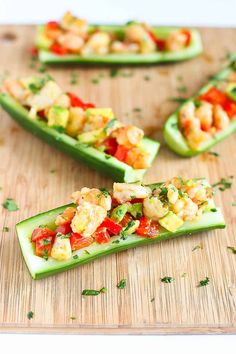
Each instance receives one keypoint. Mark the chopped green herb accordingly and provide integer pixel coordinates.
(110, 124)
(178, 99)
(198, 247)
(233, 249)
(123, 236)
(86, 251)
(213, 153)
(74, 78)
(223, 184)
(114, 72)
(45, 254)
(95, 81)
(234, 204)
(59, 128)
(183, 275)
(174, 125)
(116, 241)
(147, 78)
(167, 280)
(137, 109)
(105, 192)
(66, 235)
(52, 170)
(197, 103)
(42, 68)
(92, 292)
(73, 318)
(213, 210)
(46, 242)
(107, 157)
(153, 299)
(203, 282)
(127, 74)
(76, 256)
(122, 284)
(6, 229)
(10, 204)
(30, 315)
(182, 89)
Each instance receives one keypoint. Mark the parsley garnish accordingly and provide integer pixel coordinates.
(92, 292)
(107, 157)
(224, 184)
(116, 241)
(110, 124)
(147, 77)
(178, 99)
(213, 153)
(74, 78)
(105, 192)
(137, 109)
(214, 210)
(46, 242)
(203, 282)
(30, 315)
(95, 81)
(10, 204)
(114, 72)
(6, 229)
(42, 68)
(75, 256)
(86, 251)
(182, 89)
(45, 254)
(167, 280)
(198, 247)
(233, 249)
(66, 235)
(122, 284)
(73, 318)
(153, 299)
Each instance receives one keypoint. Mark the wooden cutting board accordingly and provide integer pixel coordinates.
(39, 178)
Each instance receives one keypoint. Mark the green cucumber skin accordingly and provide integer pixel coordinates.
(40, 268)
(175, 139)
(194, 49)
(93, 158)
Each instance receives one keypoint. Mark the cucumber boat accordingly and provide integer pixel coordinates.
(99, 222)
(89, 134)
(205, 119)
(72, 40)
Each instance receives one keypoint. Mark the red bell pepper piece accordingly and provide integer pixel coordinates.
(64, 229)
(160, 43)
(34, 51)
(57, 49)
(42, 232)
(43, 246)
(111, 226)
(147, 227)
(121, 153)
(110, 145)
(214, 96)
(230, 108)
(78, 241)
(41, 114)
(101, 235)
(75, 101)
(188, 35)
(52, 25)
(126, 219)
(136, 200)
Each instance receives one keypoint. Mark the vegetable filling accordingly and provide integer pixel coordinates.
(68, 114)
(72, 35)
(100, 216)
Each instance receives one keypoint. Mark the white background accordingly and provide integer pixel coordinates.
(174, 12)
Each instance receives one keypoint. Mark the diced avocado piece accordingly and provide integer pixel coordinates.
(171, 222)
(104, 112)
(119, 212)
(58, 116)
(91, 137)
(131, 227)
(231, 91)
(136, 210)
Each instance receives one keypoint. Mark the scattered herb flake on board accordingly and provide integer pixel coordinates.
(183, 275)
(116, 241)
(92, 292)
(10, 204)
(86, 252)
(126, 73)
(224, 183)
(45, 254)
(233, 249)
(59, 129)
(213, 153)
(203, 282)
(137, 109)
(75, 256)
(122, 284)
(197, 247)
(147, 78)
(114, 72)
(182, 89)
(153, 299)
(6, 229)
(53, 170)
(95, 81)
(177, 99)
(74, 78)
(42, 68)
(30, 315)
(73, 318)
(167, 280)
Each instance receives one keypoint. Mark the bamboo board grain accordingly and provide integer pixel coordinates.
(39, 177)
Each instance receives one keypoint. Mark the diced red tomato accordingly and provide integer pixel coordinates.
(52, 25)
(75, 101)
(101, 235)
(121, 153)
(78, 241)
(57, 49)
(136, 200)
(41, 114)
(43, 246)
(42, 232)
(230, 108)
(64, 229)
(34, 51)
(114, 201)
(110, 145)
(111, 226)
(126, 219)
(188, 35)
(147, 227)
(214, 96)
(160, 43)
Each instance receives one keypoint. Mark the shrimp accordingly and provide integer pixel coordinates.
(128, 136)
(137, 158)
(172, 193)
(137, 33)
(187, 117)
(153, 208)
(196, 137)
(98, 43)
(176, 41)
(205, 114)
(16, 89)
(74, 24)
(125, 192)
(93, 196)
(198, 192)
(66, 216)
(87, 218)
(190, 210)
(71, 41)
(76, 121)
(220, 118)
